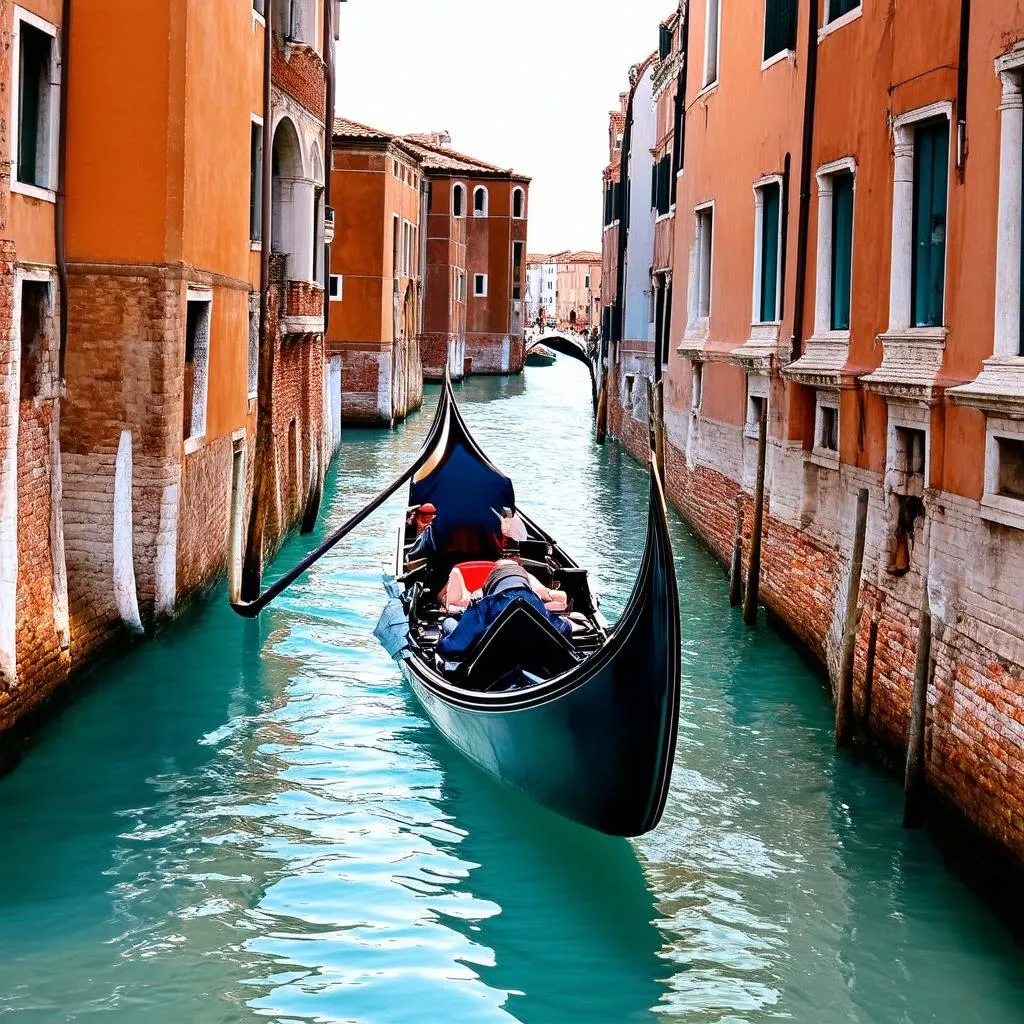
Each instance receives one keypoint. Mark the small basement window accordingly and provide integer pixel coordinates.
(828, 429)
(197, 361)
(480, 286)
(1010, 455)
(35, 303)
(756, 405)
(698, 387)
(909, 460)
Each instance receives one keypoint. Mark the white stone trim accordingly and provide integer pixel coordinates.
(696, 387)
(1009, 239)
(823, 278)
(521, 191)
(777, 58)
(479, 294)
(910, 417)
(11, 383)
(485, 212)
(125, 594)
(758, 386)
(20, 17)
(709, 81)
(826, 458)
(996, 507)
(841, 22)
(465, 199)
(759, 186)
(698, 325)
(200, 362)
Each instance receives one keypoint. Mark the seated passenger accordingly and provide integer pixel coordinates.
(420, 517)
(456, 596)
(507, 584)
(512, 526)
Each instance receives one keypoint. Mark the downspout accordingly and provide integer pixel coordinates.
(806, 162)
(263, 459)
(60, 249)
(962, 78)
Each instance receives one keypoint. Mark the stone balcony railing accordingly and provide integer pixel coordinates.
(303, 311)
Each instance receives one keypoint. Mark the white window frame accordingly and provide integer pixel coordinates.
(21, 16)
(253, 350)
(696, 387)
(477, 278)
(709, 81)
(255, 244)
(698, 324)
(996, 507)
(901, 265)
(910, 418)
(823, 274)
(485, 212)
(339, 295)
(465, 199)
(759, 187)
(522, 205)
(200, 381)
(758, 386)
(828, 27)
(1010, 238)
(821, 456)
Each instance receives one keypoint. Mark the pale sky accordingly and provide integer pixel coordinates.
(525, 84)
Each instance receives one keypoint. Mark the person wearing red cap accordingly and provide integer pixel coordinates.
(421, 517)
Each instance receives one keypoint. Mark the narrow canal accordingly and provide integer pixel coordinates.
(247, 820)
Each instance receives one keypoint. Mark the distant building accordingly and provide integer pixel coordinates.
(567, 287)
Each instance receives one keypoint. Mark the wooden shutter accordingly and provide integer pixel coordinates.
(931, 183)
(842, 250)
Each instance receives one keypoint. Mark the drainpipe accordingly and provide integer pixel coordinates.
(263, 459)
(59, 206)
(806, 161)
(962, 78)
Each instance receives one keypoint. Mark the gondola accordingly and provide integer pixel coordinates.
(585, 722)
(540, 355)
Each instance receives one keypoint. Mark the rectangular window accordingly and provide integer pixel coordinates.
(254, 344)
(837, 8)
(35, 303)
(697, 393)
(828, 429)
(258, 7)
(711, 29)
(664, 188)
(256, 182)
(702, 280)
(842, 249)
(664, 43)
(396, 248)
(586, 281)
(779, 27)
(755, 407)
(517, 270)
(909, 458)
(1010, 455)
(197, 360)
(480, 286)
(931, 181)
(335, 287)
(34, 106)
(769, 228)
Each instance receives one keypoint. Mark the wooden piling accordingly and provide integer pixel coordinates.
(869, 667)
(844, 694)
(736, 565)
(602, 409)
(752, 596)
(914, 776)
(659, 427)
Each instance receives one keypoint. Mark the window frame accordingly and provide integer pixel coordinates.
(200, 382)
(521, 195)
(477, 190)
(21, 17)
(826, 458)
(256, 184)
(1008, 340)
(699, 320)
(768, 59)
(996, 507)
(339, 295)
(824, 278)
(760, 187)
(708, 80)
(476, 279)
(458, 186)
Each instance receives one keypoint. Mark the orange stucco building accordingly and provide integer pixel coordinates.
(134, 261)
(848, 261)
(564, 287)
(377, 273)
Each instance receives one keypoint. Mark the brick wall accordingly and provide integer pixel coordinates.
(495, 353)
(975, 733)
(300, 74)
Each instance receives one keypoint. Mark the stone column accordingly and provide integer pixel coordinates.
(901, 270)
(1008, 245)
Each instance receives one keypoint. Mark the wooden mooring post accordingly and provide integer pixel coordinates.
(913, 782)
(869, 666)
(736, 565)
(844, 693)
(656, 423)
(751, 597)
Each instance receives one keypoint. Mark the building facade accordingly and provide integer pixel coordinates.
(564, 289)
(377, 273)
(142, 373)
(847, 262)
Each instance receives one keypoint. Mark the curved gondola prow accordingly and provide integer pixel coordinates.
(432, 449)
(570, 348)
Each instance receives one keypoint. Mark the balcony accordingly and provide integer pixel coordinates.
(303, 311)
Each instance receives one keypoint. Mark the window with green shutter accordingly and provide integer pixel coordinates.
(34, 107)
(931, 182)
(837, 8)
(842, 249)
(771, 199)
(663, 190)
(779, 26)
(665, 43)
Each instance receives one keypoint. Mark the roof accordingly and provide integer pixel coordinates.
(565, 256)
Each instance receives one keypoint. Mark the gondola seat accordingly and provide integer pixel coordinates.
(520, 640)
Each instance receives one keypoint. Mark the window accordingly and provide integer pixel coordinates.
(518, 203)
(909, 460)
(197, 358)
(259, 7)
(35, 304)
(335, 288)
(396, 248)
(458, 201)
(712, 26)
(256, 180)
(1010, 467)
(703, 261)
(586, 281)
(842, 250)
(931, 180)
(662, 186)
(254, 344)
(36, 104)
(517, 270)
(664, 43)
(828, 429)
(609, 204)
(779, 27)
(697, 391)
(479, 201)
(837, 8)
(756, 404)
(767, 246)
(480, 286)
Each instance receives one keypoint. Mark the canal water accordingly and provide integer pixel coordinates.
(253, 820)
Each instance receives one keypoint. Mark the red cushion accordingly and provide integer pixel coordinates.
(475, 574)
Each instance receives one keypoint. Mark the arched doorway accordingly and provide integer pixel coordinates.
(286, 166)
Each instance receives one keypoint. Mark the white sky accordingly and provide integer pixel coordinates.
(525, 84)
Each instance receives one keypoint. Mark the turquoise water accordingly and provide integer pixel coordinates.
(253, 820)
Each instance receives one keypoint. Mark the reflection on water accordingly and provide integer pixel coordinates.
(245, 820)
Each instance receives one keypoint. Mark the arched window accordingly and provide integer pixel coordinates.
(479, 201)
(518, 203)
(459, 201)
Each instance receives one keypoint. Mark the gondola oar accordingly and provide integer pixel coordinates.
(250, 609)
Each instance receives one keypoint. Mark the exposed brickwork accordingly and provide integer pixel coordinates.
(301, 75)
(434, 349)
(204, 512)
(303, 298)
